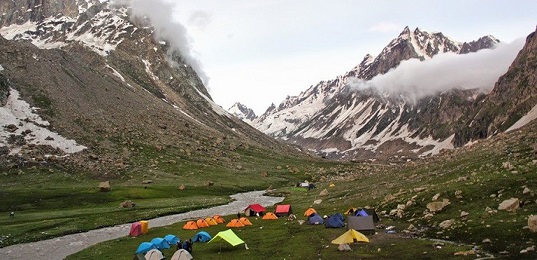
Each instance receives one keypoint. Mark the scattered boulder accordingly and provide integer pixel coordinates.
(527, 250)
(126, 204)
(147, 181)
(319, 201)
(508, 166)
(437, 205)
(532, 223)
(446, 223)
(209, 183)
(487, 241)
(105, 186)
(344, 247)
(458, 194)
(324, 193)
(464, 214)
(465, 253)
(511, 204)
(182, 187)
(435, 197)
(526, 191)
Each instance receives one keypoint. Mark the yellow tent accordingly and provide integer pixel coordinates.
(350, 236)
(211, 221)
(351, 210)
(229, 236)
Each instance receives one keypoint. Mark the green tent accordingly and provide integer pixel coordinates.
(229, 236)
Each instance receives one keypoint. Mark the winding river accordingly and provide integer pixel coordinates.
(61, 247)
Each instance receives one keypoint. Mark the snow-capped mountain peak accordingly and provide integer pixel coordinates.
(242, 112)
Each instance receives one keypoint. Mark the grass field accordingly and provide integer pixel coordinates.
(475, 180)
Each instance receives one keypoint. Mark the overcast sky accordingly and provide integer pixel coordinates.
(259, 51)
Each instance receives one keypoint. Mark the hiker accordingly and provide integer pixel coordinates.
(238, 215)
(190, 246)
(179, 245)
(12, 214)
(351, 212)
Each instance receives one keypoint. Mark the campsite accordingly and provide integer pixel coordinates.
(474, 182)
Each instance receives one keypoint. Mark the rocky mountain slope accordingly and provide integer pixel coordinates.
(339, 120)
(109, 86)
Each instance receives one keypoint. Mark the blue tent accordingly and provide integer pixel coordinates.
(335, 221)
(315, 219)
(171, 239)
(201, 236)
(144, 248)
(361, 213)
(160, 243)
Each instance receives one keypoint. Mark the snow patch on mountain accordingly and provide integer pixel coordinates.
(17, 118)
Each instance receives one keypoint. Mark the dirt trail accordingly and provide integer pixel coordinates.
(61, 247)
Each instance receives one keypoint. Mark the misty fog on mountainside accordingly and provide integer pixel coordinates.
(417, 79)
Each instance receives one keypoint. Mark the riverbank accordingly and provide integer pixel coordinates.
(61, 247)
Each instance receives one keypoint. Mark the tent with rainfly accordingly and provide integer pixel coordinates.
(219, 219)
(201, 236)
(315, 219)
(351, 236)
(136, 229)
(309, 212)
(154, 254)
(144, 247)
(335, 221)
(229, 236)
(171, 239)
(235, 223)
(253, 209)
(283, 210)
(211, 221)
(181, 254)
(160, 243)
(245, 221)
(202, 223)
(270, 216)
(190, 225)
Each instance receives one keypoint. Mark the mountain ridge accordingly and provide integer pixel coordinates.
(339, 123)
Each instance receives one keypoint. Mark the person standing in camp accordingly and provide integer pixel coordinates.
(238, 215)
(179, 245)
(190, 246)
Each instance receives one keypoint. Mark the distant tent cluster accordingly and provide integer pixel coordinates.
(204, 222)
(357, 221)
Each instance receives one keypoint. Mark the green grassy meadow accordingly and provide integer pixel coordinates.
(475, 180)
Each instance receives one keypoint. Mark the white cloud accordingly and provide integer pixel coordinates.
(161, 16)
(385, 27)
(199, 19)
(445, 71)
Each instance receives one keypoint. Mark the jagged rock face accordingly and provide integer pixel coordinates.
(513, 96)
(242, 112)
(343, 124)
(19, 12)
(104, 81)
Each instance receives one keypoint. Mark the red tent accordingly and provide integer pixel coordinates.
(283, 210)
(252, 209)
(136, 229)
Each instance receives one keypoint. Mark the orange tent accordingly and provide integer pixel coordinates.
(202, 223)
(309, 212)
(190, 225)
(211, 221)
(270, 215)
(219, 219)
(245, 221)
(235, 223)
